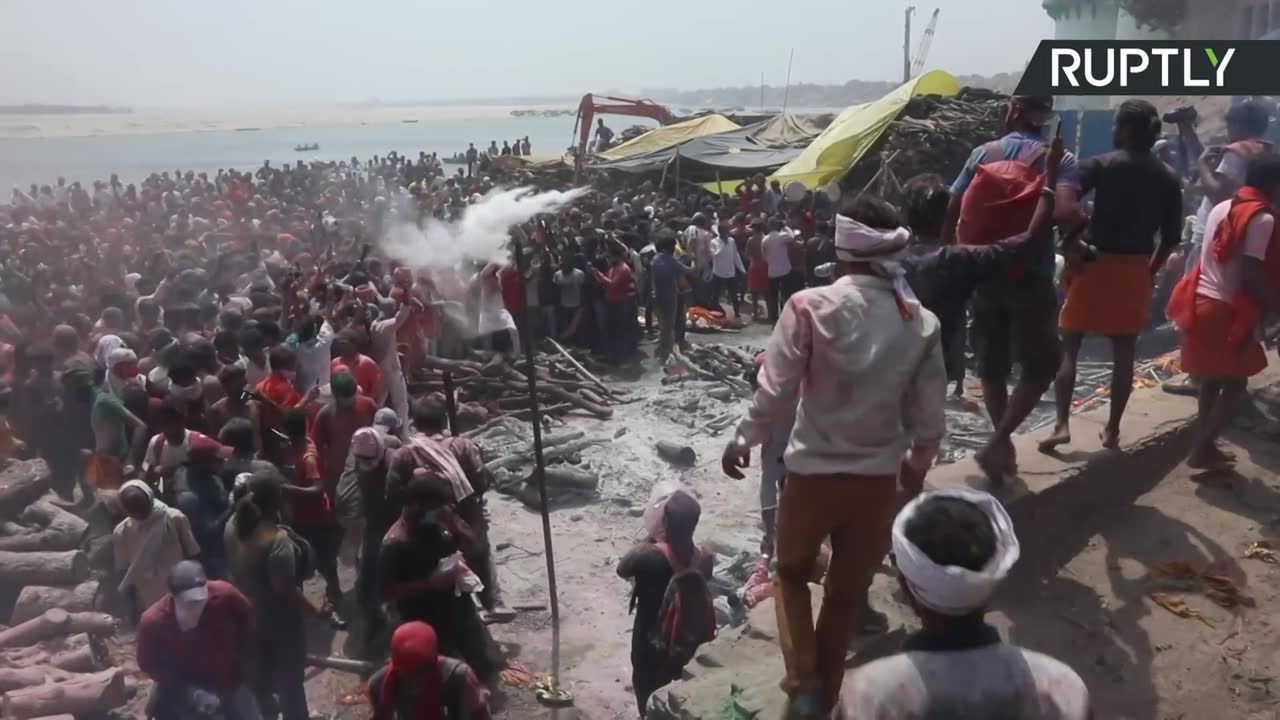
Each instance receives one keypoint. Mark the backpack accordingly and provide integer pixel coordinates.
(304, 556)
(686, 617)
(1002, 197)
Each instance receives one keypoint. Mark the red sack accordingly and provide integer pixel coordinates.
(999, 202)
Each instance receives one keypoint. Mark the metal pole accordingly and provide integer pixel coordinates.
(450, 402)
(539, 472)
(906, 45)
(787, 92)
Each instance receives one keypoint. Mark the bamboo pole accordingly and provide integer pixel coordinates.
(539, 470)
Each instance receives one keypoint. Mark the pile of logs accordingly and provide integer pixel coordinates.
(932, 135)
(53, 659)
(731, 367)
(488, 391)
(507, 447)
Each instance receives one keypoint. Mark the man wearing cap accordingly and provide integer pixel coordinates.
(1014, 316)
(192, 643)
(953, 548)
(860, 363)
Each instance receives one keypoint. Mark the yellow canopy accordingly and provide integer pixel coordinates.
(665, 137)
(853, 133)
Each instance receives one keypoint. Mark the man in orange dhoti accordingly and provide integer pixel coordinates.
(1219, 305)
(1135, 197)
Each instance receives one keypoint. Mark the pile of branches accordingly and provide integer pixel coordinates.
(489, 389)
(932, 135)
(731, 367)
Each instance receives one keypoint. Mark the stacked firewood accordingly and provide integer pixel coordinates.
(932, 135)
(489, 389)
(53, 657)
(729, 366)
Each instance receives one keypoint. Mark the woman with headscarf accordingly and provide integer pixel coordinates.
(116, 430)
(148, 543)
(652, 565)
(420, 684)
(953, 548)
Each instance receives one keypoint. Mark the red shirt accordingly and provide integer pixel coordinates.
(332, 431)
(366, 372)
(512, 290)
(308, 509)
(212, 654)
(619, 287)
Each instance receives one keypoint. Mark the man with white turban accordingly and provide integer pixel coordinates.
(860, 362)
(953, 549)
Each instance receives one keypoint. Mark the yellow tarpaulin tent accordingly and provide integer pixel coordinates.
(852, 134)
(665, 137)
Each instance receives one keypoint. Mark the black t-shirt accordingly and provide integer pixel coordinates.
(1135, 197)
(649, 568)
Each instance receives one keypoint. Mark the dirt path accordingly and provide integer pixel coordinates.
(1092, 606)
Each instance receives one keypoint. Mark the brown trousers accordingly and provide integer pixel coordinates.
(856, 512)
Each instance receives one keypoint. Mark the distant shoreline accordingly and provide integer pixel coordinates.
(37, 109)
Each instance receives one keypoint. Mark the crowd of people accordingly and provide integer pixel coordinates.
(227, 358)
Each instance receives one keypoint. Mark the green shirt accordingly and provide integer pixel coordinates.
(109, 416)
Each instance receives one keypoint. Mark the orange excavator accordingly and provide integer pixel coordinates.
(593, 105)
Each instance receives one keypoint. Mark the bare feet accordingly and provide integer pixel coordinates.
(1061, 436)
(1208, 458)
(1110, 439)
(995, 460)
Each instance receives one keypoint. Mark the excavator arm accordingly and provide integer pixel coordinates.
(593, 105)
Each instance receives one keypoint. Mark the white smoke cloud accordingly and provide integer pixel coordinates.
(481, 234)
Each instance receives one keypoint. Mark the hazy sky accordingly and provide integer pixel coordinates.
(255, 52)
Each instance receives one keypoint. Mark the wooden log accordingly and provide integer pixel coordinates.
(57, 622)
(585, 373)
(22, 482)
(75, 653)
(15, 678)
(60, 530)
(549, 453)
(82, 695)
(559, 394)
(63, 716)
(34, 600)
(18, 569)
(568, 478)
(359, 667)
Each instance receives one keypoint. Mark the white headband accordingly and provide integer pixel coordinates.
(882, 250)
(951, 590)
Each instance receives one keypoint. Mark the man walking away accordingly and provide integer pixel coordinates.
(192, 643)
(847, 450)
(1135, 197)
(653, 566)
(1219, 305)
(953, 549)
(1013, 316)
(777, 256)
(726, 266)
(670, 277)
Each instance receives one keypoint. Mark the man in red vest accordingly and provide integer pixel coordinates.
(1219, 305)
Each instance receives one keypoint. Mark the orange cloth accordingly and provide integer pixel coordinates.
(104, 472)
(1208, 352)
(1184, 303)
(1109, 296)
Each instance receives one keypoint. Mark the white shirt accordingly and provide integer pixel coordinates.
(698, 242)
(725, 261)
(314, 357)
(998, 680)
(864, 378)
(1224, 280)
(775, 252)
(1232, 166)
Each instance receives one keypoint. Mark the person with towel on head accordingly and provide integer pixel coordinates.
(421, 683)
(860, 363)
(953, 548)
(148, 543)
